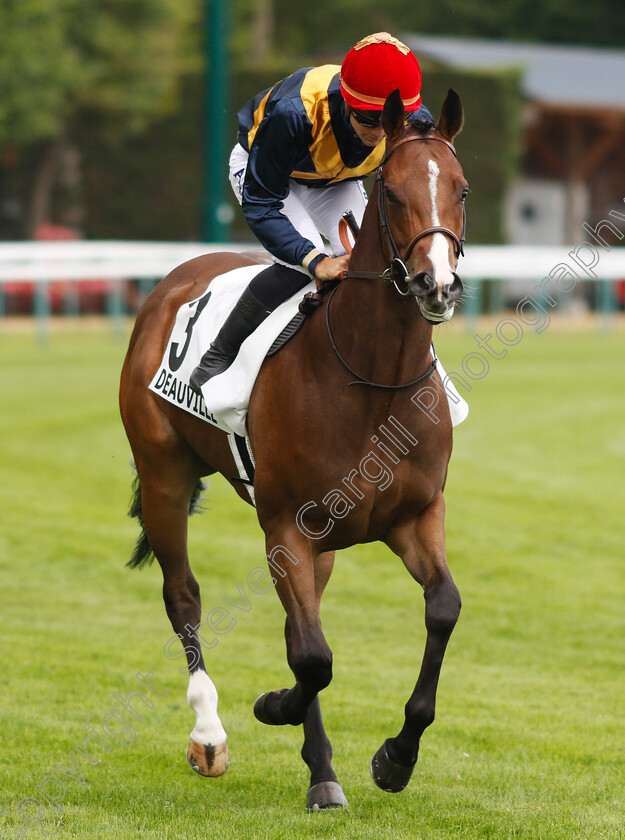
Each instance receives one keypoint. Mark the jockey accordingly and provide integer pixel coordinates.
(303, 149)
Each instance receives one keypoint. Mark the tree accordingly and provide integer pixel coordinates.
(58, 58)
(319, 28)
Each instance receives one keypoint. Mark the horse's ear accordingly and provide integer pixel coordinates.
(393, 116)
(452, 116)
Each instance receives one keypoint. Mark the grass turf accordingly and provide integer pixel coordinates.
(529, 739)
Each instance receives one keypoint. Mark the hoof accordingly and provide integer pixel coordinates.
(260, 707)
(325, 795)
(259, 710)
(208, 761)
(387, 774)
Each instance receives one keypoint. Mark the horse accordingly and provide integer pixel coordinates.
(350, 439)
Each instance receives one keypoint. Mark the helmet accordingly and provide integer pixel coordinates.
(374, 68)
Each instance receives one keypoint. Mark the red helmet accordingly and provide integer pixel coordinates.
(374, 68)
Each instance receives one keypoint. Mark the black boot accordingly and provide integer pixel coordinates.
(247, 314)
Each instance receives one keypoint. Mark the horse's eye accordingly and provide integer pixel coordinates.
(392, 199)
(465, 193)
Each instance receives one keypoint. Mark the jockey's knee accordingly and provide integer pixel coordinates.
(278, 283)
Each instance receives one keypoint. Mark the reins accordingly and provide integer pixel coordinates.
(360, 380)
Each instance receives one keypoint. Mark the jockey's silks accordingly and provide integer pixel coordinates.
(299, 129)
(312, 118)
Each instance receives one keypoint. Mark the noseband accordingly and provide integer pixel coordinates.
(397, 271)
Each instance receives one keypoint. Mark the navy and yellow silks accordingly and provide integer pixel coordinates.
(298, 129)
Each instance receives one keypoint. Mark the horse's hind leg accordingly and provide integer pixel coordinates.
(167, 485)
(325, 790)
(421, 545)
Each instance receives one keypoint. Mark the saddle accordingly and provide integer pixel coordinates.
(197, 323)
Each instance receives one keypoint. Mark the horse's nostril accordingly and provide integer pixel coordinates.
(456, 288)
(422, 284)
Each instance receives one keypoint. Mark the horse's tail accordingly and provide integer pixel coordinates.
(143, 553)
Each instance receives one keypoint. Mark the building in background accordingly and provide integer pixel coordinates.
(573, 158)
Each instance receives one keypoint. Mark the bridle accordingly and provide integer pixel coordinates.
(397, 271)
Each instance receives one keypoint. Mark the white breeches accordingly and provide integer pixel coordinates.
(314, 212)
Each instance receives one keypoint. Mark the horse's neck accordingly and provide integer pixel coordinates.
(368, 254)
(381, 329)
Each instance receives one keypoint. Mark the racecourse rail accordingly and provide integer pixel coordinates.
(115, 263)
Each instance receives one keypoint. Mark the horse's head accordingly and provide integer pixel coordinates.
(421, 193)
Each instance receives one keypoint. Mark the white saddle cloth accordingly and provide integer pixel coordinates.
(225, 398)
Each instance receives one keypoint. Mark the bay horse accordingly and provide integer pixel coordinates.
(319, 483)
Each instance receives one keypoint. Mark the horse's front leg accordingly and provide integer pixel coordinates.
(325, 790)
(421, 545)
(291, 559)
(301, 577)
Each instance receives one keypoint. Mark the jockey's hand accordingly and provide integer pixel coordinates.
(331, 268)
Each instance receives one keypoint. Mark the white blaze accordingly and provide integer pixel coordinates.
(439, 252)
(434, 172)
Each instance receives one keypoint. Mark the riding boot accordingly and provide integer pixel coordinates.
(248, 313)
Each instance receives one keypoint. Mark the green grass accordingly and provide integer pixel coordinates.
(529, 740)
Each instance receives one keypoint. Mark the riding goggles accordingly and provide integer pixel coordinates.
(370, 120)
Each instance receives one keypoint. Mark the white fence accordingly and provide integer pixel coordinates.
(40, 262)
(43, 263)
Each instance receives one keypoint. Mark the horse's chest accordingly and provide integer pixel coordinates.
(363, 500)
